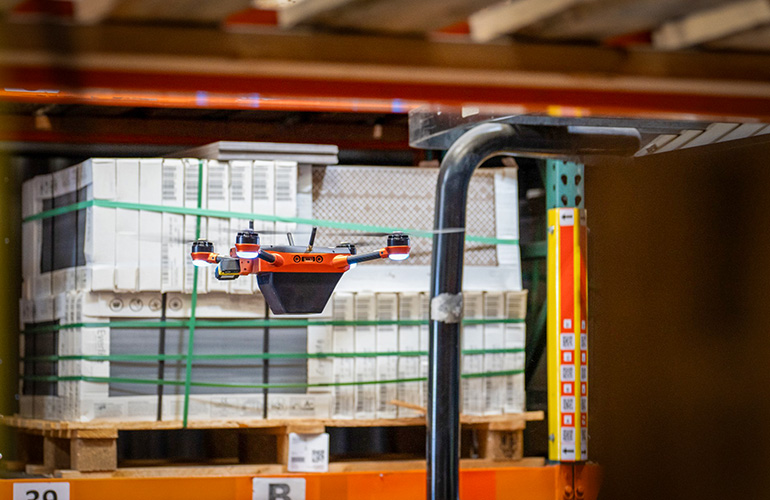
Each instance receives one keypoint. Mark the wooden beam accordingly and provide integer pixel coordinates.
(712, 24)
(388, 16)
(212, 12)
(757, 39)
(510, 17)
(601, 19)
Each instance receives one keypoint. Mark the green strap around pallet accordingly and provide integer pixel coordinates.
(268, 355)
(253, 323)
(204, 212)
(187, 383)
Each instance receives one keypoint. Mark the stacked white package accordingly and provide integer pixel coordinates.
(285, 194)
(240, 201)
(150, 224)
(194, 227)
(408, 366)
(494, 339)
(30, 237)
(127, 226)
(344, 341)
(65, 229)
(38, 237)
(97, 181)
(515, 337)
(263, 203)
(218, 198)
(84, 341)
(320, 340)
(366, 366)
(424, 346)
(173, 251)
(387, 366)
(473, 402)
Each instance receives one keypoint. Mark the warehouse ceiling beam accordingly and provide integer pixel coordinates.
(712, 24)
(508, 17)
(388, 16)
(111, 63)
(602, 19)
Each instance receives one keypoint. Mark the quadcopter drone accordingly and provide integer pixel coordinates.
(293, 279)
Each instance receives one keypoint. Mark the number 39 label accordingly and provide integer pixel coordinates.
(41, 491)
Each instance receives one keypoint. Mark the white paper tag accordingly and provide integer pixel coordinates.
(308, 452)
(277, 488)
(43, 491)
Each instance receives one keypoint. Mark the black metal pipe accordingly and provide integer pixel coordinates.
(443, 438)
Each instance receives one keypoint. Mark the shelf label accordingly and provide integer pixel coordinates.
(276, 488)
(308, 452)
(41, 491)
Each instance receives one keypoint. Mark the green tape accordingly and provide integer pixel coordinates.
(193, 306)
(254, 323)
(120, 380)
(349, 226)
(269, 355)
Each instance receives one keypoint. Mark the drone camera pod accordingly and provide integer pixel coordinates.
(293, 279)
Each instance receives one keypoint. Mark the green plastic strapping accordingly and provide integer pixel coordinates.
(193, 305)
(204, 212)
(254, 323)
(268, 355)
(118, 380)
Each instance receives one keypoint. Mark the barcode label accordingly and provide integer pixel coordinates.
(259, 189)
(169, 183)
(568, 404)
(165, 265)
(583, 341)
(583, 373)
(216, 187)
(568, 435)
(298, 460)
(319, 456)
(492, 306)
(283, 180)
(237, 182)
(568, 373)
(567, 341)
(190, 183)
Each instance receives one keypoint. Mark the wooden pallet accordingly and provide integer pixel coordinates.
(70, 449)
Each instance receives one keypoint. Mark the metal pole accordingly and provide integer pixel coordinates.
(443, 438)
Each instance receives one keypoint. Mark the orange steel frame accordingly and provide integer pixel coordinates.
(107, 87)
(551, 482)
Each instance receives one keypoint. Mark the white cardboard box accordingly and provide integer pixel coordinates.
(218, 198)
(494, 338)
(285, 194)
(408, 341)
(150, 224)
(515, 337)
(240, 201)
(366, 367)
(473, 402)
(195, 226)
(65, 227)
(424, 346)
(43, 260)
(172, 233)
(127, 226)
(344, 402)
(387, 366)
(98, 177)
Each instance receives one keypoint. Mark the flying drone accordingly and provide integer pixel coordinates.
(293, 279)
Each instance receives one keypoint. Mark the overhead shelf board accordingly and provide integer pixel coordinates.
(576, 137)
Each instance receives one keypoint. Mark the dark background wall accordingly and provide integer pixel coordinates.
(680, 322)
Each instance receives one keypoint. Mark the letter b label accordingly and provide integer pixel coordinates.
(278, 488)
